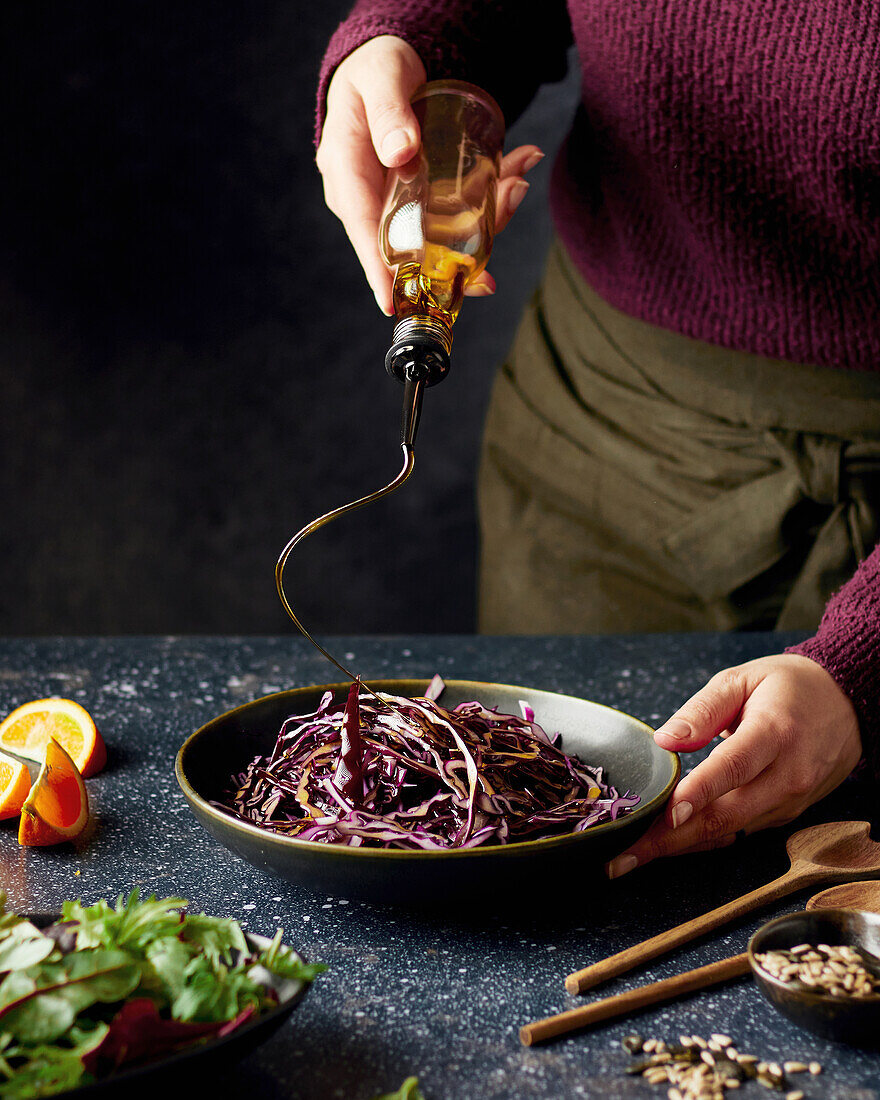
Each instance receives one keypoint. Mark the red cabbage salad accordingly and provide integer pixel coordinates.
(385, 771)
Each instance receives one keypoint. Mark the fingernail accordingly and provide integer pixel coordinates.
(395, 143)
(676, 728)
(517, 193)
(534, 159)
(680, 813)
(480, 290)
(388, 312)
(621, 866)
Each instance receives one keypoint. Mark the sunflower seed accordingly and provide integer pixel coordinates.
(697, 1069)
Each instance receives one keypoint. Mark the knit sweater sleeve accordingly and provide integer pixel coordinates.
(507, 47)
(847, 645)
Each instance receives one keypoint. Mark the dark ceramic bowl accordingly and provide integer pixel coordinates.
(147, 1078)
(850, 1020)
(537, 871)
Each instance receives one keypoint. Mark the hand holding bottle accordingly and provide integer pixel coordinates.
(369, 128)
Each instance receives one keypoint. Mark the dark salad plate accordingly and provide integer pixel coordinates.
(142, 1078)
(567, 868)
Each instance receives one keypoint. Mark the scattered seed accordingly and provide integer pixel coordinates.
(724, 1067)
(697, 1069)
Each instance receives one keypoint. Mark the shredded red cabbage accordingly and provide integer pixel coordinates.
(414, 775)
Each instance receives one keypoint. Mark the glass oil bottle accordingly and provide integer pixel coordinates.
(436, 232)
(439, 223)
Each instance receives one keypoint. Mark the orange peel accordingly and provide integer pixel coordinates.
(27, 730)
(57, 808)
(15, 785)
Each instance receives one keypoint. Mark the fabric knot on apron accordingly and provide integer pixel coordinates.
(633, 479)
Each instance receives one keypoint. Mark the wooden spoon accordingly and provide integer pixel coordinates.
(836, 851)
(853, 895)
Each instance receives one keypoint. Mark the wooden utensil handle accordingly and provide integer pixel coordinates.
(666, 941)
(621, 1004)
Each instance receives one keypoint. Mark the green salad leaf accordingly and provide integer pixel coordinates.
(38, 1004)
(133, 924)
(283, 963)
(409, 1090)
(70, 998)
(22, 945)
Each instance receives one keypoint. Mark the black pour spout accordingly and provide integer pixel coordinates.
(418, 357)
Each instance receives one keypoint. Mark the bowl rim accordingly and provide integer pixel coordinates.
(817, 995)
(399, 686)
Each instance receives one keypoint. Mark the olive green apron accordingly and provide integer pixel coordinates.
(633, 479)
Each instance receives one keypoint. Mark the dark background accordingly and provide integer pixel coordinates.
(190, 358)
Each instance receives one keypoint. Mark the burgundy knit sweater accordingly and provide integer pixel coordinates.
(721, 179)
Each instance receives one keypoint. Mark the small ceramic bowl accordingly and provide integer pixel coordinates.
(847, 1019)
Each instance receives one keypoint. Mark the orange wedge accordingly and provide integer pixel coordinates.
(27, 730)
(15, 782)
(57, 809)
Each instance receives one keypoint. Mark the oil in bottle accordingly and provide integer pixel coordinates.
(439, 222)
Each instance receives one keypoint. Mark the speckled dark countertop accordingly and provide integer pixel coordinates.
(406, 994)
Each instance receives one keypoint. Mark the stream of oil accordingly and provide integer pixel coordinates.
(405, 470)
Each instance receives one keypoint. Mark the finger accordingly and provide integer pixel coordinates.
(394, 129)
(705, 715)
(360, 213)
(512, 188)
(520, 160)
(482, 287)
(723, 818)
(710, 845)
(511, 193)
(733, 763)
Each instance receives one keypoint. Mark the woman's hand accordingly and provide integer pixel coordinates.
(790, 736)
(370, 127)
